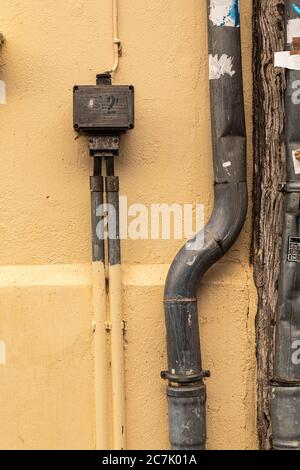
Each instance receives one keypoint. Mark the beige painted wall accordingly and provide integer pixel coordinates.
(47, 384)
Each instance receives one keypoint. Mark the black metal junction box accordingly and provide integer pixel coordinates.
(103, 108)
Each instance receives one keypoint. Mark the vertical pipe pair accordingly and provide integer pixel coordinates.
(115, 306)
(285, 388)
(186, 390)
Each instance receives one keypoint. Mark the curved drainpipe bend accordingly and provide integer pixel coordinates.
(285, 388)
(186, 390)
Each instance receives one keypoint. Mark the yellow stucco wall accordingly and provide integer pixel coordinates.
(47, 384)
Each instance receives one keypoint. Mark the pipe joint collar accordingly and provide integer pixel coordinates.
(112, 184)
(97, 184)
(290, 187)
(185, 379)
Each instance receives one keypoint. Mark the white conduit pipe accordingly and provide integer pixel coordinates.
(116, 40)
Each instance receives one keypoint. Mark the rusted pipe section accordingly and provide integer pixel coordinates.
(187, 390)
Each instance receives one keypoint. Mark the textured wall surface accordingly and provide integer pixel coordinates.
(47, 384)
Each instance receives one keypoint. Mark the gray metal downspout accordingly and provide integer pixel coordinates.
(187, 391)
(285, 389)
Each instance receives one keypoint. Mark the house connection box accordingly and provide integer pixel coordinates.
(102, 109)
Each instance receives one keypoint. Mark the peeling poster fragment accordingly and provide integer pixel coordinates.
(286, 60)
(293, 30)
(225, 13)
(220, 66)
(296, 160)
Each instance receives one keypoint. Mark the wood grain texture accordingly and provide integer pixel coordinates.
(269, 156)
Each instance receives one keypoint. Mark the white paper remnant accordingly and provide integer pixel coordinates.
(225, 13)
(2, 92)
(293, 30)
(286, 60)
(226, 165)
(296, 156)
(219, 66)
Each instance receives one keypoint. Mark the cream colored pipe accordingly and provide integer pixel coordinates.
(117, 42)
(117, 357)
(101, 389)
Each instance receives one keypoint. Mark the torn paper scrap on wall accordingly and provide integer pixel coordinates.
(225, 13)
(293, 30)
(286, 60)
(296, 160)
(219, 66)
